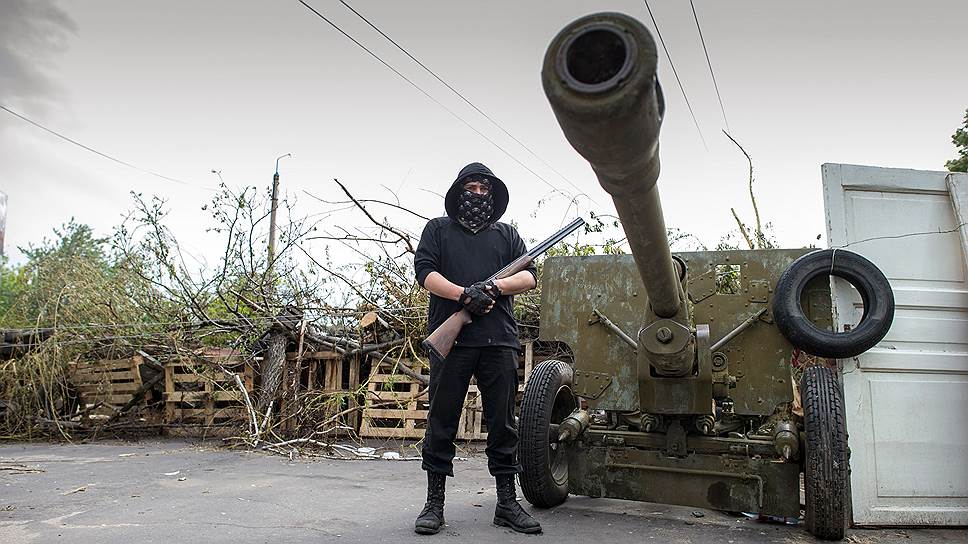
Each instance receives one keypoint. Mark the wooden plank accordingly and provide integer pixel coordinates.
(384, 413)
(103, 377)
(107, 399)
(354, 419)
(392, 432)
(200, 396)
(317, 355)
(95, 371)
(528, 361)
(115, 364)
(107, 376)
(117, 389)
(201, 378)
(196, 367)
(248, 377)
(391, 378)
(396, 396)
(333, 375)
(169, 388)
(220, 412)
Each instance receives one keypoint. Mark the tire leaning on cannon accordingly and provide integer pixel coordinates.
(870, 282)
(826, 457)
(548, 400)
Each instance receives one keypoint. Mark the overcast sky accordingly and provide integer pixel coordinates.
(182, 88)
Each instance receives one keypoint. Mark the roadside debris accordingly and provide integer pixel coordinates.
(20, 469)
(78, 490)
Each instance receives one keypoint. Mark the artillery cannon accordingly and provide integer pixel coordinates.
(681, 387)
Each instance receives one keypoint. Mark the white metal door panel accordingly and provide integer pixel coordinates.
(907, 398)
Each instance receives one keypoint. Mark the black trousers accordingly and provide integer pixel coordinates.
(496, 370)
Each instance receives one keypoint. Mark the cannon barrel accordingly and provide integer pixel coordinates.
(599, 75)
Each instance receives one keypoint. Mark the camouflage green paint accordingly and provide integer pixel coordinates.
(758, 358)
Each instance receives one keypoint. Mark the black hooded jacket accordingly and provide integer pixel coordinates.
(464, 258)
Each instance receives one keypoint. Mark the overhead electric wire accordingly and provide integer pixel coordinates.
(434, 100)
(676, 73)
(709, 63)
(462, 97)
(96, 152)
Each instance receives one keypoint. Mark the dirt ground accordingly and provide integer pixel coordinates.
(179, 491)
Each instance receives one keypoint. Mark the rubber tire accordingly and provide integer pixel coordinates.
(537, 409)
(869, 281)
(826, 467)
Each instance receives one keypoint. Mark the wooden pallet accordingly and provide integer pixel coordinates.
(409, 420)
(317, 371)
(471, 426)
(319, 376)
(111, 382)
(202, 391)
(406, 417)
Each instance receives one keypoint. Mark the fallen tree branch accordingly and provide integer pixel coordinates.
(405, 238)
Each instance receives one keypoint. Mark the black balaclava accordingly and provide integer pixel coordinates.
(474, 211)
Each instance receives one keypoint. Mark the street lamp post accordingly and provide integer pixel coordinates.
(272, 213)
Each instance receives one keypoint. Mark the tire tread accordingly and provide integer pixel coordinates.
(826, 467)
(537, 483)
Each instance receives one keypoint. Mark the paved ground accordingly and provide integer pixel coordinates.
(164, 491)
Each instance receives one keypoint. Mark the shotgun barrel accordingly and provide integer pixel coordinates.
(599, 75)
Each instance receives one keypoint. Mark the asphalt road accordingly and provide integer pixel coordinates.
(176, 491)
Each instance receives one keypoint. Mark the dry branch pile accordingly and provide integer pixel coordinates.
(130, 333)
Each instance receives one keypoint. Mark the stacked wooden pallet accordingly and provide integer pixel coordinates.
(316, 371)
(203, 391)
(472, 426)
(317, 387)
(396, 408)
(396, 404)
(104, 386)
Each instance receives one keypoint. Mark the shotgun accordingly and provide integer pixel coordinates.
(441, 341)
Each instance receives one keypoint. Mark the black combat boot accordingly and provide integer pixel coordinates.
(508, 512)
(431, 518)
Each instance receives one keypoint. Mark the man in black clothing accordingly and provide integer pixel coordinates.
(455, 253)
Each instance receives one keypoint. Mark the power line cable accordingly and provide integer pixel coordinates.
(96, 152)
(435, 101)
(676, 73)
(709, 64)
(462, 97)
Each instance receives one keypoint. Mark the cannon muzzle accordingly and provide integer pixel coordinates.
(599, 75)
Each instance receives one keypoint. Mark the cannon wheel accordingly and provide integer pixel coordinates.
(548, 399)
(825, 471)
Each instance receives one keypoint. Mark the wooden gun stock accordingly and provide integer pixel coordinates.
(442, 340)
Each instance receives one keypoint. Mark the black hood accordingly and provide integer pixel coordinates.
(498, 190)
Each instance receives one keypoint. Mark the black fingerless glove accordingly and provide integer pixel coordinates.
(476, 300)
(489, 287)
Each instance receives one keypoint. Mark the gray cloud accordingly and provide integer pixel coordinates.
(31, 33)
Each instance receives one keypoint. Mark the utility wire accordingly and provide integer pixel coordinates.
(905, 235)
(96, 152)
(435, 101)
(676, 73)
(709, 64)
(462, 97)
